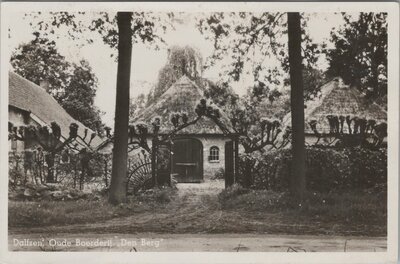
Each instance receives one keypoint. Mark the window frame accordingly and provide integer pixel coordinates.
(214, 154)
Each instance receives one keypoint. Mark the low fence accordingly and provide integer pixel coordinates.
(76, 170)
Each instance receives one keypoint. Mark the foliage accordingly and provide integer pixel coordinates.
(147, 27)
(15, 169)
(313, 79)
(136, 105)
(254, 43)
(78, 97)
(248, 116)
(181, 61)
(246, 41)
(72, 85)
(328, 169)
(39, 61)
(48, 139)
(77, 170)
(360, 53)
(118, 31)
(219, 174)
(221, 94)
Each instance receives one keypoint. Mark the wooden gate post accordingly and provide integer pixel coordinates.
(231, 161)
(236, 159)
(229, 164)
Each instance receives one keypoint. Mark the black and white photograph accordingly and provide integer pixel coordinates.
(240, 128)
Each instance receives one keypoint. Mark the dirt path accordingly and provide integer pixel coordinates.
(193, 202)
(194, 221)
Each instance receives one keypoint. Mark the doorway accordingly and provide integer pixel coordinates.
(187, 160)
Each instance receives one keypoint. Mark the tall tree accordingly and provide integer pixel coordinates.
(121, 123)
(257, 44)
(73, 85)
(78, 97)
(360, 53)
(298, 180)
(40, 61)
(182, 60)
(118, 31)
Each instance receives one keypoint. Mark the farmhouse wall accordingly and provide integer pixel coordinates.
(211, 167)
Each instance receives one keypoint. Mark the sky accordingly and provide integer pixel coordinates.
(147, 62)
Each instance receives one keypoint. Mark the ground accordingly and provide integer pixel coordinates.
(194, 220)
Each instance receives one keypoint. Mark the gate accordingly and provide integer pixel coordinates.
(187, 161)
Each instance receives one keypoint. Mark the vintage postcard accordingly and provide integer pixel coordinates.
(196, 132)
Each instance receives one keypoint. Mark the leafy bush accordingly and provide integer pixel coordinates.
(327, 169)
(219, 174)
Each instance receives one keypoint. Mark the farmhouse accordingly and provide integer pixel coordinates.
(198, 151)
(337, 99)
(30, 104)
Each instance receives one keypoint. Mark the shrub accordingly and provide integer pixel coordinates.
(327, 169)
(219, 174)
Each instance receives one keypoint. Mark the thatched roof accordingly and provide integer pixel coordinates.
(29, 97)
(182, 96)
(338, 99)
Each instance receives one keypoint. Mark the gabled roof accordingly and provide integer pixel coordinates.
(182, 96)
(338, 99)
(27, 96)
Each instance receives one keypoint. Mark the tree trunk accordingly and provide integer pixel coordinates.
(298, 181)
(120, 151)
(50, 157)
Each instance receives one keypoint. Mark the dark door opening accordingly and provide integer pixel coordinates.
(187, 160)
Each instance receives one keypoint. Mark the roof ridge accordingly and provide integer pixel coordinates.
(178, 82)
(183, 95)
(326, 95)
(26, 95)
(45, 93)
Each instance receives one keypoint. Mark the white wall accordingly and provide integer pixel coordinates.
(211, 167)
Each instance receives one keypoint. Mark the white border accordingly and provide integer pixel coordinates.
(7, 11)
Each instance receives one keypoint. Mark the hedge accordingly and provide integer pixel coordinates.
(327, 169)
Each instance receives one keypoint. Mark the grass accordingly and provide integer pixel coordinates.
(354, 209)
(234, 210)
(47, 213)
